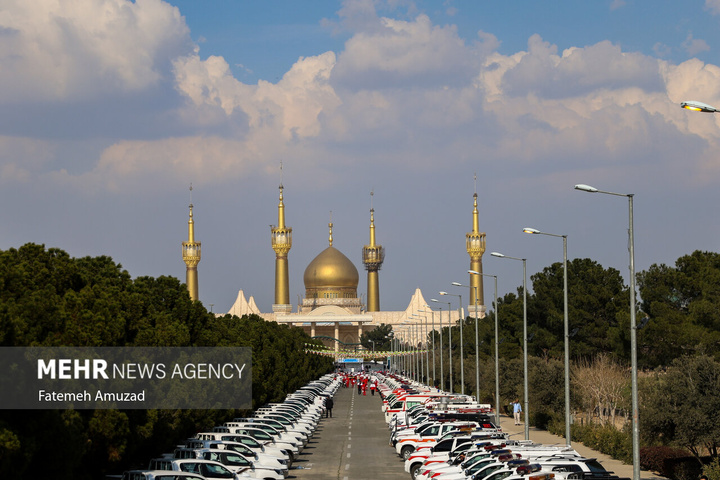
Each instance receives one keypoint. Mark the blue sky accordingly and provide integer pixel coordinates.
(268, 37)
(112, 108)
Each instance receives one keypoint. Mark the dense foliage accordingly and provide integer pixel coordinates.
(378, 339)
(678, 319)
(682, 404)
(48, 298)
(683, 307)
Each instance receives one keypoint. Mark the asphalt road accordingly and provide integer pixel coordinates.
(353, 445)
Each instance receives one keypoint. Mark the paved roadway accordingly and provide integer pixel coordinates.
(353, 445)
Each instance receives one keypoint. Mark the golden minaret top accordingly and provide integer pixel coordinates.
(191, 255)
(373, 256)
(281, 235)
(281, 243)
(475, 246)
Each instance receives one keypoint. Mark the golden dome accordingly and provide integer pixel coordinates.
(331, 269)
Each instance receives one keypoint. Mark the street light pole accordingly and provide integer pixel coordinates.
(462, 355)
(477, 343)
(633, 326)
(525, 341)
(426, 369)
(450, 368)
(497, 347)
(566, 333)
(442, 367)
(432, 313)
(427, 347)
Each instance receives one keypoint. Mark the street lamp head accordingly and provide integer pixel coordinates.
(473, 272)
(435, 300)
(457, 284)
(498, 254)
(443, 293)
(585, 188)
(531, 230)
(696, 106)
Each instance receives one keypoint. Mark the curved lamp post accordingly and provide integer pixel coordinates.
(462, 355)
(426, 369)
(525, 340)
(417, 362)
(633, 326)
(566, 334)
(477, 344)
(442, 368)
(432, 313)
(450, 369)
(497, 347)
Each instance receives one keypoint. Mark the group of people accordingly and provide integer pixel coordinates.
(362, 381)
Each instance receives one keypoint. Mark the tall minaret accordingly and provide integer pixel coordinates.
(373, 256)
(475, 244)
(281, 243)
(191, 256)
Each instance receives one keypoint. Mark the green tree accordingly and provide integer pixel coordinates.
(680, 405)
(683, 308)
(597, 310)
(48, 298)
(380, 335)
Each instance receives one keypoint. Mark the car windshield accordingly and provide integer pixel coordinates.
(241, 449)
(177, 477)
(500, 475)
(249, 441)
(487, 471)
(480, 465)
(473, 460)
(236, 460)
(219, 470)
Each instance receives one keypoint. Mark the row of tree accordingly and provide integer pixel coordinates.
(678, 348)
(48, 298)
(678, 314)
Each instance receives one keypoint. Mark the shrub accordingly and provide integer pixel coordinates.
(712, 470)
(654, 458)
(605, 439)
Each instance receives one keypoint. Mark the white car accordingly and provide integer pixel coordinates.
(205, 468)
(239, 464)
(159, 475)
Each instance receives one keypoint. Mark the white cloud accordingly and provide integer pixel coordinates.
(291, 107)
(713, 6)
(408, 53)
(79, 48)
(579, 70)
(401, 94)
(22, 158)
(693, 46)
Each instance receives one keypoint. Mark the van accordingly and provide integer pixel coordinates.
(405, 403)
